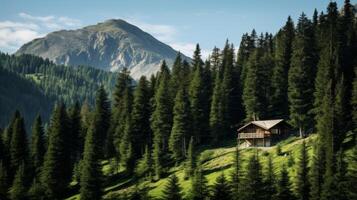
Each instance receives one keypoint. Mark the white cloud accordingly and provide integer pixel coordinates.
(13, 34)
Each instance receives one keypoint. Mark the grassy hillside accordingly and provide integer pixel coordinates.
(214, 162)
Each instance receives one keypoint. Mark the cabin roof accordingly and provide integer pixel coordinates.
(265, 124)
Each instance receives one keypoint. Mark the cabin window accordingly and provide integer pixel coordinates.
(275, 131)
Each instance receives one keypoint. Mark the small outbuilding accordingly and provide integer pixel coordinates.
(263, 133)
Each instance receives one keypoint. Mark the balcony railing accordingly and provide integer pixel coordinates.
(250, 135)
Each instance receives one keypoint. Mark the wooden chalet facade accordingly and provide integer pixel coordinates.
(264, 133)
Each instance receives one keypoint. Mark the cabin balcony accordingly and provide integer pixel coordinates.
(251, 135)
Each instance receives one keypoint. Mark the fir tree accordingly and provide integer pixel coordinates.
(341, 190)
(283, 186)
(221, 190)
(18, 145)
(161, 119)
(75, 128)
(199, 188)
(317, 171)
(283, 54)
(172, 189)
(181, 125)
(56, 170)
(270, 179)
(352, 174)
(301, 76)
(104, 116)
(190, 164)
(302, 183)
(253, 187)
(198, 96)
(18, 189)
(236, 175)
(37, 146)
(216, 114)
(141, 131)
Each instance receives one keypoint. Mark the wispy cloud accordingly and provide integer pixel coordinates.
(168, 34)
(13, 34)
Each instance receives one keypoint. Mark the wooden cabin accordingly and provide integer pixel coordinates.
(264, 133)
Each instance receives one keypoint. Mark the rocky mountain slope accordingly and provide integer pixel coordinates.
(111, 45)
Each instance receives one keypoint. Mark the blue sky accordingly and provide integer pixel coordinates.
(179, 23)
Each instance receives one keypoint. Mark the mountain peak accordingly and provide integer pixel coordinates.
(109, 45)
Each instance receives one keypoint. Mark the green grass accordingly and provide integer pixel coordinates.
(214, 162)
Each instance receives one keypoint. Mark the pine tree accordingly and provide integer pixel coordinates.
(55, 174)
(176, 78)
(37, 146)
(317, 171)
(161, 119)
(216, 111)
(302, 183)
(18, 189)
(236, 175)
(352, 173)
(199, 188)
(199, 99)
(246, 49)
(253, 187)
(301, 76)
(18, 145)
(270, 179)
(86, 119)
(181, 125)
(172, 189)
(283, 186)
(4, 185)
(221, 190)
(75, 128)
(141, 131)
(190, 164)
(145, 166)
(341, 190)
(104, 116)
(283, 54)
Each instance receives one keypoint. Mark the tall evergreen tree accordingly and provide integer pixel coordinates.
(221, 189)
(37, 146)
(172, 189)
(283, 54)
(74, 115)
(199, 99)
(352, 173)
(161, 119)
(18, 145)
(216, 114)
(283, 186)
(270, 180)
(141, 130)
(301, 76)
(317, 171)
(181, 125)
(302, 183)
(236, 175)
(104, 116)
(18, 189)
(190, 164)
(199, 188)
(55, 175)
(253, 187)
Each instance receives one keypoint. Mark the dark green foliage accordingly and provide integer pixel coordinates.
(181, 125)
(253, 186)
(352, 174)
(341, 178)
(4, 185)
(301, 76)
(199, 187)
(102, 110)
(56, 171)
(302, 183)
(236, 175)
(76, 132)
(141, 131)
(172, 189)
(18, 145)
(18, 189)
(283, 54)
(216, 114)
(283, 186)
(190, 164)
(37, 146)
(161, 119)
(145, 165)
(317, 171)
(269, 180)
(221, 189)
(199, 100)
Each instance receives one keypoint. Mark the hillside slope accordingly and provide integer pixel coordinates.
(215, 161)
(111, 45)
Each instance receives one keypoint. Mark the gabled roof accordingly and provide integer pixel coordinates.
(265, 124)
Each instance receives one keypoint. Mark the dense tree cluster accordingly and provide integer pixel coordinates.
(305, 73)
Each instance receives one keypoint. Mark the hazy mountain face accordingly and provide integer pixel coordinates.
(111, 45)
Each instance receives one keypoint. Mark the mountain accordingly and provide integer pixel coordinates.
(111, 45)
